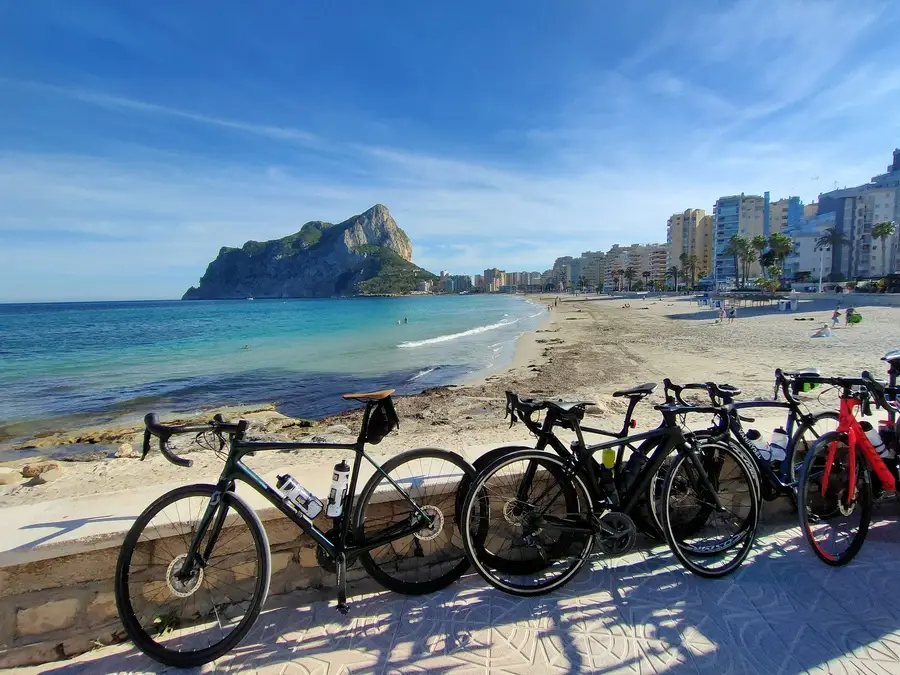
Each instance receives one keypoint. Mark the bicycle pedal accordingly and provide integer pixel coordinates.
(343, 608)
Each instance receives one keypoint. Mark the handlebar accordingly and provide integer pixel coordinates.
(885, 396)
(164, 432)
(725, 393)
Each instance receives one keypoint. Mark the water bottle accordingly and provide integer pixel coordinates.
(876, 440)
(778, 445)
(301, 498)
(339, 481)
(756, 438)
(609, 458)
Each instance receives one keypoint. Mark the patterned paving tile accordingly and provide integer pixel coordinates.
(783, 613)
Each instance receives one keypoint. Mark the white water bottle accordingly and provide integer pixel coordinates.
(339, 482)
(778, 445)
(756, 438)
(875, 439)
(301, 498)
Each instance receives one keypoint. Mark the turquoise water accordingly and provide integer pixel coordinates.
(91, 362)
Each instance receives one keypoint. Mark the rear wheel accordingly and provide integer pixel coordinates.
(835, 522)
(806, 435)
(433, 557)
(729, 531)
(186, 619)
(539, 521)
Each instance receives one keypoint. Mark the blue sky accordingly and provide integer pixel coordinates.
(136, 138)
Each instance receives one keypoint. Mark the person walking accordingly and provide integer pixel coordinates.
(732, 314)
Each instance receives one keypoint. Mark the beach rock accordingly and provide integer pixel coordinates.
(125, 451)
(366, 254)
(47, 476)
(318, 439)
(9, 476)
(339, 429)
(36, 469)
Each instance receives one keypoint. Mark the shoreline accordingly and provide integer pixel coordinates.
(584, 349)
(50, 443)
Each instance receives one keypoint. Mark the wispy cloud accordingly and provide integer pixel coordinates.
(739, 96)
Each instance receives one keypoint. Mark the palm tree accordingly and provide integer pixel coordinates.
(831, 239)
(780, 245)
(673, 272)
(617, 275)
(737, 245)
(646, 275)
(581, 281)
(630, 274)
(758, 243)
(883, 231)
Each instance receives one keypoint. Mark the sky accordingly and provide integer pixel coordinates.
(137, 138)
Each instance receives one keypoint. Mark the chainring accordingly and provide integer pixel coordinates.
(624, 539)
(328, 563)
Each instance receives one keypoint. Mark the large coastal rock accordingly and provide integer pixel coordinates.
(367, 254)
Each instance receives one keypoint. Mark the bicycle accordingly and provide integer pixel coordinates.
(835, 481)
(587, 504)
(778, 477)
(201, 575)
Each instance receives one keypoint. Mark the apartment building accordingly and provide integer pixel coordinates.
(681, 234)
(806, 255)
(652, 258)
(735, 214)
(782, 214)
(592, 265)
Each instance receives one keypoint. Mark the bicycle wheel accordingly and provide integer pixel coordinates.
(834, 525)
(538, 516)
(191, 620)
(728, 535)
(432, 558)
(516, 564)
(806, 434)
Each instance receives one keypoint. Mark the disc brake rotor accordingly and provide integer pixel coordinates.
(183, 588)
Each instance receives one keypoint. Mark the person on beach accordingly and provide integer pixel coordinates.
(824, 331)
(721, 313)
(848, 315)
(732, 314)
(836, 317)
(405, 320)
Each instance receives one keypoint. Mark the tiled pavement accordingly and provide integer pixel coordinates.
(783, 612)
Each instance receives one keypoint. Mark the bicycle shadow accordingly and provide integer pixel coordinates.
(782, 612)
(65, 527)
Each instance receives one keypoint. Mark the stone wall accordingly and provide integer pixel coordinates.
(59, 607)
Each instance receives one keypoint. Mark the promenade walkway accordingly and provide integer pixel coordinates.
(784, 612)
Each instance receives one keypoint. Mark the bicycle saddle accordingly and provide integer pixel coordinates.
(370, 395)
(892, 357)
(569, 406)
(641, 390)
(809, 372)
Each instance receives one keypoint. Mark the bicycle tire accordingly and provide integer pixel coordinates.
(497, 562)
(697, 522)
(133, 628)
(474, 505)
(864, 499)
(743, 541)
(379, 573)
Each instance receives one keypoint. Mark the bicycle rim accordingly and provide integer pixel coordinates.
(188, 620)
(834, 523)
(531, 501)
(431, 558)
(727, 536)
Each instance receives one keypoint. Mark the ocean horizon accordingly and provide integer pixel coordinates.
(74, 364)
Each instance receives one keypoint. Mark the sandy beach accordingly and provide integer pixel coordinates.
(586, 349)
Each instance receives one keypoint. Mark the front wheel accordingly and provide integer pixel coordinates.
(528, 523)
(433, 557)
(834, 517)
(187, 614)
(717, 479)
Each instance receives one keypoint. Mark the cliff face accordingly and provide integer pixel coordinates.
(362, 254)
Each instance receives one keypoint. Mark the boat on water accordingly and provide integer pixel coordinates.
(250, 297)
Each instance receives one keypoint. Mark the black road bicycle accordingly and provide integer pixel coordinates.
(546, 512)
(194, 570)
(778, 476)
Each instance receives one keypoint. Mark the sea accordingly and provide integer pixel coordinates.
(67, 365)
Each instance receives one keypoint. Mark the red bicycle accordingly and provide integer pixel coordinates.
(836, 489)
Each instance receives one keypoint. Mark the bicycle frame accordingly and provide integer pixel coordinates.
(235, 470)
(856, 437)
